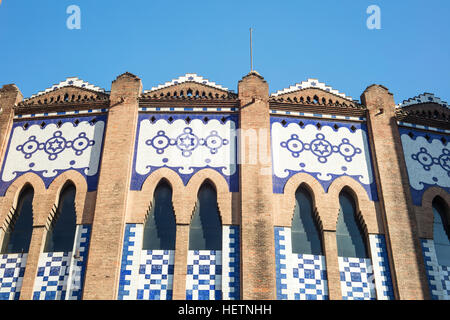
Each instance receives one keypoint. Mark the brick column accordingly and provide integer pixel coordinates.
(103, 264)
(10, 95)
(180, 262)
(36, 246)
(257, 228)
(406, 260)
(332, 263)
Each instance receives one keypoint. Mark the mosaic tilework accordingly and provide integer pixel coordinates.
(438, 275)
(230, 263)
(48, 148)
(60, 272)
(132, 246)
(204, 275)
(381, 270)
(326, 150)
(155, 280)
(357, 280)
(12, 269)
(427, 158)
(298, 276)
(144, 274)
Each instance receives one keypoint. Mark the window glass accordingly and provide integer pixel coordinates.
(305, 235)
(441, 234)
(160, 227)
(349, 236)
(61, 234)
(18, 235)
(206, 230)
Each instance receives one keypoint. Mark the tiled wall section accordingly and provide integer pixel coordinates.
(148, 274)
(381, 270)
(155, 279)
(144, 274)
(204, 275)
(12, 269)
(357, 279)
(230, 263)
(61, 272)
(438, 275)
(214, 275)
(298, 276)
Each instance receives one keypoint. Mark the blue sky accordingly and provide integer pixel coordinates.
(292, 40)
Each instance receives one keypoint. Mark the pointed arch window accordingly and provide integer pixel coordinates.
(160, 227)
(61, 234)
(18, 235)
(349, 234)
(441, 232)
(205, 231)
(305, 235)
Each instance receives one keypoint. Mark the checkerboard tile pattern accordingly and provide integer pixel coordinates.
(12, 269)
(129, 270)
(155, 280)
(144, 274)
(438, 275)
(204, 275)
(381, 270)
(357, 279)
(230, 263)
(60, 272)
(298, 276)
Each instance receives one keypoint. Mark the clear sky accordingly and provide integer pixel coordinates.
(293, 40)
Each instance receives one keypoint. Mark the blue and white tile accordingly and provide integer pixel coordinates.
(12, 269)
(381, 269)
(60, 273)
(230, 263)
(357, 279)
(326, 152)
(438, 275)
(298, 276)
(204, 275)
(155, 280)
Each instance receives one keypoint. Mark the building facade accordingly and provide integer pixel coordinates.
(192, 191)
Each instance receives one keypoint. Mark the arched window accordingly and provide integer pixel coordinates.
(18, 235)
(441, 232)
(206, 229)
(61, 234)
(160, 227)
(305, 235)
(349, 235)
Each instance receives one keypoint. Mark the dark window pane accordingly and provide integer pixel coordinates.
(18, 235)
(440, 234)
(160, 228)
(61, 235)
(206, 229)
(304, 232)
(349, 236)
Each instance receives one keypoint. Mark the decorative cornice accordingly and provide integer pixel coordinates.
(311, 83)
(189, 77)
(423, 98)
(74, 82)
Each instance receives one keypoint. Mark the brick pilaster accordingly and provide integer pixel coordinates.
(257, 228)
(10, 95)
(406, 260)
(103, 265)
(180, 262)
(332, 263)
